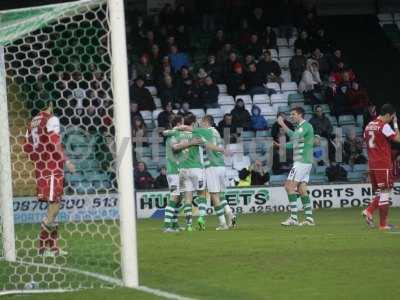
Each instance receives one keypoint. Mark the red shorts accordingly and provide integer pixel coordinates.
(50, 188)
(381, 179)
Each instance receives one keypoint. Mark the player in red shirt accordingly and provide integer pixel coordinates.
(378, 134)
(44, 148)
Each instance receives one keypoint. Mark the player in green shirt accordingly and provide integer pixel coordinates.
(174, 147)
(191, 171)
(302, 143)
(214, 162)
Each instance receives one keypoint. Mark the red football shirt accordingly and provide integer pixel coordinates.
(43, 145)
(377, 135)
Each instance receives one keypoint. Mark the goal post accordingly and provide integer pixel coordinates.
(75, 54)
(6, 194)
(123, 131)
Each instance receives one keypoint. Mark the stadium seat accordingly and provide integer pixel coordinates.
(286, 76)
(295, 97)
(277, 179)
(261, 99)
(333, 120)
(318, 179)
(215, 112)
(281, 42)
(199, 113)
(354, 176)
(284, 108)
(235, 148)
(284, 63)
(152, 90)
(360, 120)
(320, 170)
(142, 151)
(157, 102)
(222, 89)
(289, 86)
(263, 133)
(267, 110)
(147, 116)
(246, 99)
(274, 86)
(346, 120)
(286, 52)
(360, 168)
(247, 135)
(155, 114)
(226, 109)
(277, 98)
(225, 100)
(348, 168)
(292, 41)
(241, 161)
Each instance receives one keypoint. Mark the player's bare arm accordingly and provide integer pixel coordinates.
(187, 144)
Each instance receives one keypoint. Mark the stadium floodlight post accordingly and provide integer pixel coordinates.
(127, 206)
(6, 194)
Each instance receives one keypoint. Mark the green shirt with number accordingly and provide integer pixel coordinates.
(211, 136)
(302, 142)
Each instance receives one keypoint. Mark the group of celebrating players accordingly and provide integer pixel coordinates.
(195, 163)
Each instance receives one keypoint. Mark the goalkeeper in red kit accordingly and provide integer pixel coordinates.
(44, 148)
(378, 134)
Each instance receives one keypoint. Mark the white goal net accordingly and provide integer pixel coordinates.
(62, 53)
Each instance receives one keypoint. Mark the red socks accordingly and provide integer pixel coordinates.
(383, 214)
(373, 205)
(48, 238)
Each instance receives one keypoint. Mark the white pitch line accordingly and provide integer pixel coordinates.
(160, 293)
(105, 278)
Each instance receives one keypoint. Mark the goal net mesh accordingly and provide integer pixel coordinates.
(62, 52)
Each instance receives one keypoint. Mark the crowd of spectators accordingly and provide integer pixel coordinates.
(241, 57)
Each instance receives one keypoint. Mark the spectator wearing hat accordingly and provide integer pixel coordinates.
(236, 83)
(227, 129)
(240, 115)
(258, 122)
(142, 96)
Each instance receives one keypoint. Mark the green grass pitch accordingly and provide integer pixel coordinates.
(338, 259)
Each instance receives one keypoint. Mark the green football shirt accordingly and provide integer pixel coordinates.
(211, 136)
(302, 142)
(189, 158)
(171, 156)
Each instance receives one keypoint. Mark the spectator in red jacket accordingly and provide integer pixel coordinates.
(358, 98)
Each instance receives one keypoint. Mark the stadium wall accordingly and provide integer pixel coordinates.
(150, 204)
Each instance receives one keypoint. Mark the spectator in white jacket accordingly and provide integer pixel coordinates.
(310, 82)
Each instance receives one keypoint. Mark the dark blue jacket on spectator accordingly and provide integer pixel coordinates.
(178, 60)
(258, 122)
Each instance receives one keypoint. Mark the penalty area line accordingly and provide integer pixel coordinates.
(105, 278)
